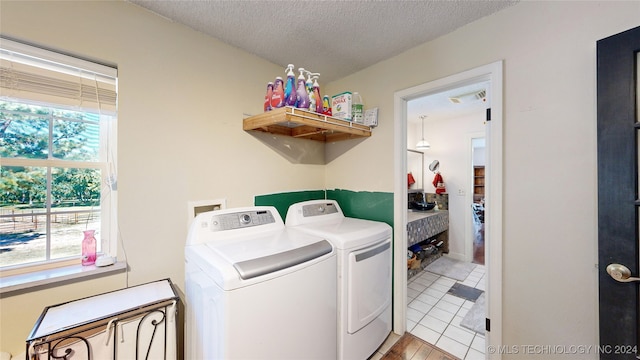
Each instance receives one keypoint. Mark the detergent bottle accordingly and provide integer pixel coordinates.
(290, 97)
(277, 99)
(326, 105)
(316, 94)
(267, 97)
(301, 92)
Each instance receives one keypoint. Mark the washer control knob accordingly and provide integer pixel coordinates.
(245, 218)
(321, 209)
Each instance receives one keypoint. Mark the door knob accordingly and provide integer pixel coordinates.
(620, 273)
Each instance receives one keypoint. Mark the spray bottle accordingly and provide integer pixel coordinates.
(267, 97)
(316, 93)
(301, 92)
(290, 97)
(277, 100)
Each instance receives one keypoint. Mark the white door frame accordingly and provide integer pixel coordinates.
(493, 196)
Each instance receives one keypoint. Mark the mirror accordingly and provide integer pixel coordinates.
(434, 166)
(415, 166)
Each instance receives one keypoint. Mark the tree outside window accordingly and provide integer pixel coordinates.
(51, 181)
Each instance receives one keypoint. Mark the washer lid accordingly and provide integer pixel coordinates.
(324, 218)
(239, 249)
(242, 261)
(348, 233)
(242, 246)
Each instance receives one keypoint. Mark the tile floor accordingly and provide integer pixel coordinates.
(435, 316)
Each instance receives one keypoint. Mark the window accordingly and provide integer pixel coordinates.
(57, 156)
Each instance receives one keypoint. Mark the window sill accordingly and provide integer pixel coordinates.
(30, 280)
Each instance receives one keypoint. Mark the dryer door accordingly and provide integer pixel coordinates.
(369, 284)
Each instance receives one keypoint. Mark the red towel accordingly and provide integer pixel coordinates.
(410, 179)
(437, 179)
(438, 183)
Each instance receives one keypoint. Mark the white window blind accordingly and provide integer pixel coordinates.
(28, 72)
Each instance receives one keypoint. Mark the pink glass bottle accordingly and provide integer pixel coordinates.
(89, 248)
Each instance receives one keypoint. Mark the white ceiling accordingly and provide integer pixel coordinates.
(333, 38)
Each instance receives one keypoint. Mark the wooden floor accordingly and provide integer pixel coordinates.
(478, 246)
(409, 347)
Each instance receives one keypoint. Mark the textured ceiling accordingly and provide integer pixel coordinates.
(333, 38)
(452, 103)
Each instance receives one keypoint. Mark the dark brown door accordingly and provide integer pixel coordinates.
(618, 200)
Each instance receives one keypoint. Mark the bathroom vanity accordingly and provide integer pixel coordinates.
(430, 231)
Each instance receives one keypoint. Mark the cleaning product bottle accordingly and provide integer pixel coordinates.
(357, 108)
(316, 94)
(267, 97)
(309, 86)
(312, 103)
(290, 97)
(277, 99)
(326, 105)
(301, 92)
(309, 83)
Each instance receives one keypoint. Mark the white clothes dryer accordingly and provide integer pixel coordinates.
(257, 290)
(364, 273)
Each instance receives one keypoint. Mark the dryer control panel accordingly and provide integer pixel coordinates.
(243, 219)
(226, 223)
(319, 209)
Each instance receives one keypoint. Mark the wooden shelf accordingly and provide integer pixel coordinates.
(304, 124)
(478, 183)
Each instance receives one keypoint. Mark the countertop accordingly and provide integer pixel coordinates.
(413, 215)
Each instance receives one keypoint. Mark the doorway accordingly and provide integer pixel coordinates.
(446, 289)
(490, 73)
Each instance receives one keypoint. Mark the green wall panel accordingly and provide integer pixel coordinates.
(377, 206)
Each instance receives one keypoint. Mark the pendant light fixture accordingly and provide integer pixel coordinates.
(423, 144)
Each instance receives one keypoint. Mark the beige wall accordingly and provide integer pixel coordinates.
(549, 180)
(182, 96)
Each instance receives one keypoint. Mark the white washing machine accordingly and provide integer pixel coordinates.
(364, 273)
(257, 290)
